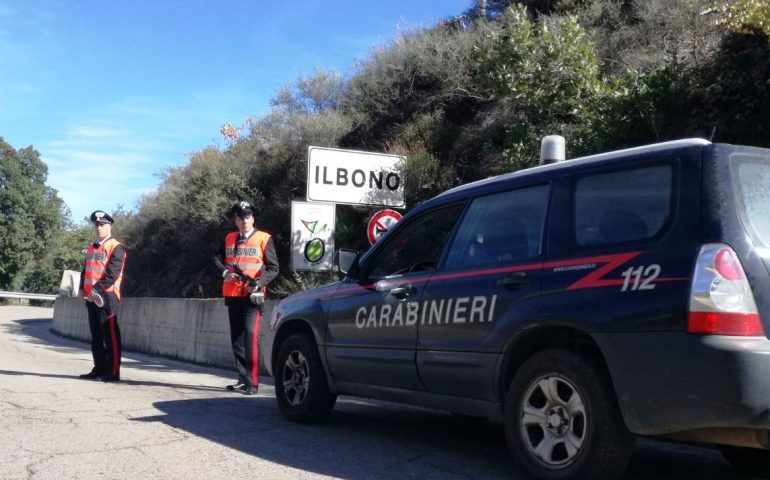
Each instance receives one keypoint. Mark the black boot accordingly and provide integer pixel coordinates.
(236, 387)
(249, 390)
(93, 374)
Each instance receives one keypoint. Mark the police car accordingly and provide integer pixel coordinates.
(583, 302)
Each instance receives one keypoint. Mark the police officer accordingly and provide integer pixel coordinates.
(250, 264)
(100, 286)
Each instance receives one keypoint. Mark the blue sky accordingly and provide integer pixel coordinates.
(111, 92)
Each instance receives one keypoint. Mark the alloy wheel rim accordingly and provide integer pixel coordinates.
(295, 378)
(553, 421)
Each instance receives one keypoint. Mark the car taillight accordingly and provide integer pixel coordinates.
(721, 302)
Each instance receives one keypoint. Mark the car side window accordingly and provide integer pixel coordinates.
(417, 247)
(623, 206)
(500, 228)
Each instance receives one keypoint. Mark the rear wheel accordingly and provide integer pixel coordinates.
(562, 420)
(753, 461)
(300, 382)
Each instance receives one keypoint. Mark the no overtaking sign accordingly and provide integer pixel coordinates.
(380, 223)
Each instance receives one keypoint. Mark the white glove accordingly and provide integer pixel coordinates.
(257, 297)
(97, 299)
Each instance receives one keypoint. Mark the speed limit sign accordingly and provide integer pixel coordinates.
(380, 223)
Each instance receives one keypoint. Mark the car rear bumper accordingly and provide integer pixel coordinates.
(670, 382)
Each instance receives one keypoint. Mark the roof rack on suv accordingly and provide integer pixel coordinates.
(655, 147)
(548, 165)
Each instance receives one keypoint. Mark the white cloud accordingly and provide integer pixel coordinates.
(95, 132)
(89, 179)
(128, 163)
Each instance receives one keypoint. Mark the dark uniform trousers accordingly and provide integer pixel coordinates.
(244, 335)
(105, 336)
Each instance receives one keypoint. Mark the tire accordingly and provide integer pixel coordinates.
(752, 461)
(301, 388)
(562, 420)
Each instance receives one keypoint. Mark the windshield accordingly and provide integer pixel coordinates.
(754, 194)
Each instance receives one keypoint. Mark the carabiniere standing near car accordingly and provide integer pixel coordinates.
(250, 264)
(100, 286)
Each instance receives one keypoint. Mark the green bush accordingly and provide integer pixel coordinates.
(469, 98)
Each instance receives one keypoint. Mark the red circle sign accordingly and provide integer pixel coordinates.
(380, 223)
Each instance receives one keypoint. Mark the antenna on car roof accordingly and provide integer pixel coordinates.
(552, 149)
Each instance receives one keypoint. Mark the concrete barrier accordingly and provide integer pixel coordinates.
(186, 329)
(70, 283)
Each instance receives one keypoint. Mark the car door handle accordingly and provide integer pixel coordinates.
(402, 291)
(517, 280)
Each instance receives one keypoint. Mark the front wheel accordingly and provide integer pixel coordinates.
(562, 420)
(300, 383)
(752, 461)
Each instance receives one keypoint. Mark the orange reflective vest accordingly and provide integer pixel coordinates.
(249, 256)
(96, 266)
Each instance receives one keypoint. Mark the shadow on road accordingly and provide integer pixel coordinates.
(360, 440)
(363, 439)
(371, 440)
(38, 331)
(668, 461)
(176, 386)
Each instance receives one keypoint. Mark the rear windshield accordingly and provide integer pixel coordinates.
(753, 189)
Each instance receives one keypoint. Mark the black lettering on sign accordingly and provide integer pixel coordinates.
(342, 176)
(327, 181)
(375, 178)
(358, 178)
(393, 181)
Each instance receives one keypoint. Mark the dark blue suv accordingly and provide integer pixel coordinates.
(583, 302)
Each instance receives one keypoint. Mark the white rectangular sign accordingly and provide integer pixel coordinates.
(312, 235)
(359, 178)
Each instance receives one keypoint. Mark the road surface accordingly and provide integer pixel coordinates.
(173, 420)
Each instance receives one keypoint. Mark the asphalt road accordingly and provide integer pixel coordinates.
(173, 420)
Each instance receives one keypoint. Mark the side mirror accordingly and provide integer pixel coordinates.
(346, 261)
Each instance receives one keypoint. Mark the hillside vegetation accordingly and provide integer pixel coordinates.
(464, 100)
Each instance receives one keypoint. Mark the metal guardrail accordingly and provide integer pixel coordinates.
(27, 296)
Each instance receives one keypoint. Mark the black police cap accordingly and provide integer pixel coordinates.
(242, 207)
(98, 216)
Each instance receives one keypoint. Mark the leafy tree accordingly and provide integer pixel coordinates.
(420, 98)
(495, 9)
(724, 97)
(65, 252)
(178, 228)
(30, 212)
(310, 95)
(171, 239)
(546, 76)
(421, 72)
(469, 98)
(747, 16)
(638, 37)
